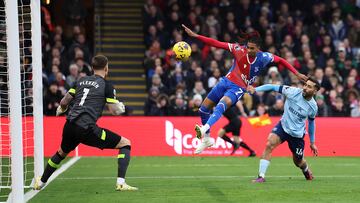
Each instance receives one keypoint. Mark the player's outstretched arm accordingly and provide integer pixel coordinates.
(311, 130)
(263, 88)
(207, 40)
(283, 62)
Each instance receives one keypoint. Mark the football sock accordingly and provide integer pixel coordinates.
(204, 115)
(304, 168)
(245, 146)
(53, 164)
(219, 110)
(227, 139)
(123, 162)
(263, 167)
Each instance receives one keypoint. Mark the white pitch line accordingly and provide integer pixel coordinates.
(134, 165)
(202, 177)
(30, 194)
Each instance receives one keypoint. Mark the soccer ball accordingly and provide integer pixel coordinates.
(182, 51)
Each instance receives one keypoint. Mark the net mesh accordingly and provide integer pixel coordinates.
(24, 12)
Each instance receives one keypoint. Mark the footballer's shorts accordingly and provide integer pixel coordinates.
(93, 136)
(296, 145)
(226, 88)
(234, 124)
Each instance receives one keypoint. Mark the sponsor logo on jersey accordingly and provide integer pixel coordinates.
(248, 82)
(296, 113)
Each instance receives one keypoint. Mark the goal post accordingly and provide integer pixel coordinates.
(37, 87)
(21, 101)
(13, 57)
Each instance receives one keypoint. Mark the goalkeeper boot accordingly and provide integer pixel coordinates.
(206, 142)
(38, 185)
(125, 187)
(308, 175)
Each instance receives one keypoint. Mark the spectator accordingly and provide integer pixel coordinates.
(337, 28)
(194, 105)
(73, 77)
(198, 89)
(339, 109)
(150, 107)
(277, 109)
(323, 108)
(179, 106)
(52, 99)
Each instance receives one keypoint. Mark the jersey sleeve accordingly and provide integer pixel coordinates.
(214, 42)
(283, 62)
(288, 91)
(110, 93)
(72, 90)
(313, 113)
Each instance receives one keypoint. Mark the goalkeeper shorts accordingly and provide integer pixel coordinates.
(93, 136)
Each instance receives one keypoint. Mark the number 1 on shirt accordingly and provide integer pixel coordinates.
(86, 92)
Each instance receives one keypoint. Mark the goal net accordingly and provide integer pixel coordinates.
(21, 130)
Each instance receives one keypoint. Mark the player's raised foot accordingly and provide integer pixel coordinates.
(308, 175)
(38, 184)
(199, 134)
(235, 147)
(206, 142)
(125, 187)
(252, 154)
(259, 179)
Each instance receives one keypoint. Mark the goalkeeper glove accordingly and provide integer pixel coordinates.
(60, 110)
(121, 107)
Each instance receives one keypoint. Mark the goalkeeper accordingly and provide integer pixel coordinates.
(89, 96)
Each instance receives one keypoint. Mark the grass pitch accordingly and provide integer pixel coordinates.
(206, 179)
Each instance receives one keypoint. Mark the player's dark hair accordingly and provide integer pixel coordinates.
(253, 37)
(317, 84)
(99, 62)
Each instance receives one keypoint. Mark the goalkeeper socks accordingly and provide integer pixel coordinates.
(53, 164)
(263, 167)
(245, 146)
(204, 115)
(219, 110)
(227, 139)
(123, 162)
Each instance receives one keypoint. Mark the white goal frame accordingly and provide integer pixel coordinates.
(13, 55)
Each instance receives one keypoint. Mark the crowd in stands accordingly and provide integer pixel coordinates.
(66, 53)
(319, 38)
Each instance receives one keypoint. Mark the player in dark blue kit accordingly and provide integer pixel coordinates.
(248, 63)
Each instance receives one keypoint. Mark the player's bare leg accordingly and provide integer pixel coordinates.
(302, 164)
(220, 108)
(124, 147)
(52, 165)
(272, 143)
